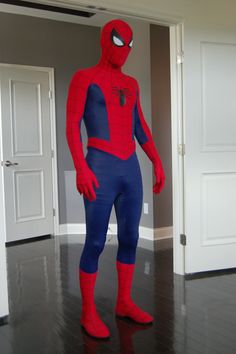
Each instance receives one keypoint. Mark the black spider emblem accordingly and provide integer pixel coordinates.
(122, 93)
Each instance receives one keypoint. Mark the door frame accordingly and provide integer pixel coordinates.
(51, 77)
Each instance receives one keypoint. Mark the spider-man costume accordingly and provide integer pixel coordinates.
(109, 102)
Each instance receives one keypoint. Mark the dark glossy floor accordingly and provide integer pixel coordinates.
(193, 316)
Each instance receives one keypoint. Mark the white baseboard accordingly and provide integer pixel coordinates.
(162, 233)
(145, 233)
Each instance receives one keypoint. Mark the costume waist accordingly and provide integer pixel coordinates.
(123, 151)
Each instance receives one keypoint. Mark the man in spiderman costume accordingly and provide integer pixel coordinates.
(109, 102)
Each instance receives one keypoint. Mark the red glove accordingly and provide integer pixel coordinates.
(160, 177)
(151, 152)
(84, 182)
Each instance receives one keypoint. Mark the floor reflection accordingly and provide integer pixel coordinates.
(193, 316)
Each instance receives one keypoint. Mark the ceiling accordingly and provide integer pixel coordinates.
(98, 19)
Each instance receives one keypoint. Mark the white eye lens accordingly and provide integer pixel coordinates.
(131, 43)
(117, 41)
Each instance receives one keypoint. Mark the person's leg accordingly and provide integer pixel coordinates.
(128, 208)
(97, 219)
(97, 214)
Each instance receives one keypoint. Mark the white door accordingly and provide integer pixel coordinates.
(26, 152)
(210, 160)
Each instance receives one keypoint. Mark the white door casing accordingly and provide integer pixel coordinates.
(210, 160)
(27, 142)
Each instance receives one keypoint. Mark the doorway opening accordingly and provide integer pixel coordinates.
(175, 40)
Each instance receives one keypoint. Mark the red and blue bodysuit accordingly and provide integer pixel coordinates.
(109, 103)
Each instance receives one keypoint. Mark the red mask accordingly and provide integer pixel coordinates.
(116, 42)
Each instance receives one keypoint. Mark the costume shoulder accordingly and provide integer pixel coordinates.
(132, 81)
(81, 77)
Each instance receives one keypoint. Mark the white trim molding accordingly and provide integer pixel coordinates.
(162, 233)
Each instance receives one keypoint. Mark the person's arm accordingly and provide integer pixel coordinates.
(143, 135)
(76, 99)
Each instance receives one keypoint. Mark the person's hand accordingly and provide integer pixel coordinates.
(160, 177)
(84, 183)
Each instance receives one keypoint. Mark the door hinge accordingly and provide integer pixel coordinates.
(183, 239)
(180, 58)
(54, 211)
(52, 153)
(181, 149)
(50, 94)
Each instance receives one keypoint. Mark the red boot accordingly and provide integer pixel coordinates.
(125, 307)
(90, 319)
